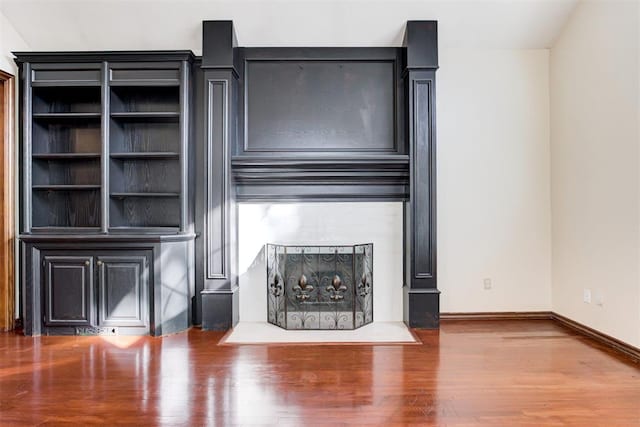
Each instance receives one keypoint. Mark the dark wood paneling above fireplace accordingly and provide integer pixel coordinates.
(320, 101)
(321, 124)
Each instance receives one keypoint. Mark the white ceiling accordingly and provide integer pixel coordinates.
(175, 24)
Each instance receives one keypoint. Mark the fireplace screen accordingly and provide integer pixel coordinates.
(320, 287)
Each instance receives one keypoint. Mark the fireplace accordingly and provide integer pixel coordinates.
(309, 125)
(320, 287)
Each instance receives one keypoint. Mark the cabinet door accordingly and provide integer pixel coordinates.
(68, 289)
(123, 283)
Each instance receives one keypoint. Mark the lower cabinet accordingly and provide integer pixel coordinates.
(68, 290)
(123, 289)
(107, 285)
(87, 291)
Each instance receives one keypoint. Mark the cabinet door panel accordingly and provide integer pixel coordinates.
(68, 285)
(123, 287)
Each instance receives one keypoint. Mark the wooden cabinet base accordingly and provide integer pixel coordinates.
(107, 286)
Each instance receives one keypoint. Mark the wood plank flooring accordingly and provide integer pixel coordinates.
(470, 373)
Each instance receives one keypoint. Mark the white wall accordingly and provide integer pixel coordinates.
(323, 224)
(176, 24)
(595, 111)
(10, 40)
(493, 180)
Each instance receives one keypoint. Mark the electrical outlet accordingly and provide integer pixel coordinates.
(487, 284)
(586, 296)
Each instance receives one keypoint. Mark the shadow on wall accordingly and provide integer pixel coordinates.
(253, 281)
(261, 224)
(271, 223)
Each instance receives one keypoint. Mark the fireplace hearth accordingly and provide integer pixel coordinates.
(320, 287)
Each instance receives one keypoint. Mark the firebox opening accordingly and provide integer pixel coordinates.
(321, 224)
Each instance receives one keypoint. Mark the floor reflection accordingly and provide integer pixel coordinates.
(242, 385)
(462, 374)
(175, 380)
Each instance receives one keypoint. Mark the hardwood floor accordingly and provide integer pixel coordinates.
(507, 373)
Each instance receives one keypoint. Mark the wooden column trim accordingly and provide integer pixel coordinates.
(7, 229)
(219, 290)
(421, 294)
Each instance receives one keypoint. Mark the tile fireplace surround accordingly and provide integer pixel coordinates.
(323, 224)
(296, 224)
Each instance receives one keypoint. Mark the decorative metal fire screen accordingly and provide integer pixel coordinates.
(320, 287)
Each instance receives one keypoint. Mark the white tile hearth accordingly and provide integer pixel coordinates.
(265, 333)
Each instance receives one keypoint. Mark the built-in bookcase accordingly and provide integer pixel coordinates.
(105, 147)
(106, 222)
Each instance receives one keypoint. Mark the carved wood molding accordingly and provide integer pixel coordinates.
(98, 56)
(363, 179)
(383, 170)
(217, 216)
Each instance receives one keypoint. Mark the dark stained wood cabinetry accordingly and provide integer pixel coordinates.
(123, 285)
(95, 289)
(144, 151)
(68, 290)
(106, 225)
